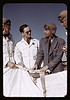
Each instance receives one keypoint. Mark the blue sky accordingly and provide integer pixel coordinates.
(36, 15)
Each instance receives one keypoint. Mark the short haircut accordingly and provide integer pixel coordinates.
(6, 22)
(21, 29)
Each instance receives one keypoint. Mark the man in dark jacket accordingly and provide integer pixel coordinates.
(63, 20)
(50, 50)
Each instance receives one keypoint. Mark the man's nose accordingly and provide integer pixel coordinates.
(44, 31)
(29, 33)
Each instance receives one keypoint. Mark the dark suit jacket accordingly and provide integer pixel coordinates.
(54, 58)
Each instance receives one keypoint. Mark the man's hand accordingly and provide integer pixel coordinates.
(35, 67)
(64, 48)
(11, 65)
(44, 68)
(21, 64)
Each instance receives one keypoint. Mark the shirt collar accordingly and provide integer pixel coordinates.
(25, 41)
(31, 42)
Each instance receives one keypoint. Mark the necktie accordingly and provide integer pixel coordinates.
(49, 44)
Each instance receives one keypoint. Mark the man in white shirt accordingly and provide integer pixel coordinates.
(8, 56)
(26, 49)
(8, 45)
(17, 82)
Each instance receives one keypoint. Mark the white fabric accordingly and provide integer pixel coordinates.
(26, 53)
(56, 84)
(18, 83)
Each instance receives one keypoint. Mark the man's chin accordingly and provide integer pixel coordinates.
(47, 36)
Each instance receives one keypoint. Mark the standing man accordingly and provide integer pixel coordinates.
(50, 50)
(26, 49)
(8, 56)
(8, 45)
(63, 20)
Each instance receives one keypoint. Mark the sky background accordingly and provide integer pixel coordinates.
(36, 15)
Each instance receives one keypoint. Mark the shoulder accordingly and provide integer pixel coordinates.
(60, 40)
(18, 43)
(42, 40)
(35, 40)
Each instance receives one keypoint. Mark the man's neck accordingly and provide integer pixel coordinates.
(6, 35)
(27, 40)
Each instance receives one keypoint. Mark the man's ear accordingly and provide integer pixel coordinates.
(22, 33)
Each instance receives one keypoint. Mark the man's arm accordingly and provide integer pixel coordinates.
(10, 64)
(18, 56)
(40, 55)
(56, 60)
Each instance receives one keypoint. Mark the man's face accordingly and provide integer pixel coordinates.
(27, 32)
(63, 22)
(47, 33)
(6, 29)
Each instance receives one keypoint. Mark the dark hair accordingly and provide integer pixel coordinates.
(7, 23)
(21, 29)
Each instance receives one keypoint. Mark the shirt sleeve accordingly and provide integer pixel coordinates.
(17, 55)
